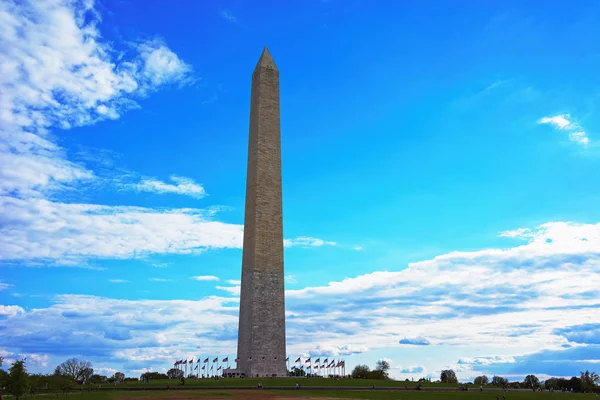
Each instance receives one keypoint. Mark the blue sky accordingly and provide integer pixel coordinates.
(440, 181)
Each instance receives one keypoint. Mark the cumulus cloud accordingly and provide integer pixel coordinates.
(582, 334)
(500, 310)
(57, 71)
(566, 123)
(416, 341)
(10, 311)
(33, 360)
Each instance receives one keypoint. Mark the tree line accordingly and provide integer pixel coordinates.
(18, 382)
(587, 382)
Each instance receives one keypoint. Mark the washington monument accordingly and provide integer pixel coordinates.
(261, 334)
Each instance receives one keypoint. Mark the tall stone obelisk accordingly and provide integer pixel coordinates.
(261, 334)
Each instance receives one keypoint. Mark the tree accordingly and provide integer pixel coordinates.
(77, 370)
(119, 377)
(481, 380)
(382, 367)
(360, 371)
(499, 381)
(589, 380)
(61, 382)
(98, 379)
(175, 373)
(448, 376)
(531, 381)
(18, 381)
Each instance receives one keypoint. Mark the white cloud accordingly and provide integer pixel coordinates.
(305, 241)
(60, 232)
(56, 71)
(10, 311)
(290, 278)
(233, 290)
(4, 286)
(559, 121)
(520, 298)
(181, 185)
(106, 371)
(358, 248)
(565, 122)
(226, 15)
(159, 280)
(234, 282)
(487, 360)
(205, 278)
(35, 360)
(71, 233)
(118, 280)
(579, 137)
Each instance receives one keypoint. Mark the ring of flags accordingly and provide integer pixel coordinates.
(316, 367)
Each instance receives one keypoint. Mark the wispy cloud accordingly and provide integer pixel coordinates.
(565, 122)
(118, 280)
(305, 241)
(416, 341)
(4, 286)
(415, 369)
(234, 282)
(227, 16)
(290, 278)
(180, 185)
(234, 290)
(205, 278)
(160, 280)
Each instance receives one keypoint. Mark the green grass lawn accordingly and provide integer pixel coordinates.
(370, 395)
(304, 382)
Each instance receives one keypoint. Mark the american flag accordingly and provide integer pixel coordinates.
(204, 366)
(192, 361)
(218, 368)
(206, 360)
(325, 361)
(216, 359)
(237, 359)
(297, 360)
(287, 359)
(196, 367)
(307, 360)
(318, 360)
(185, 362)
(226, 359)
